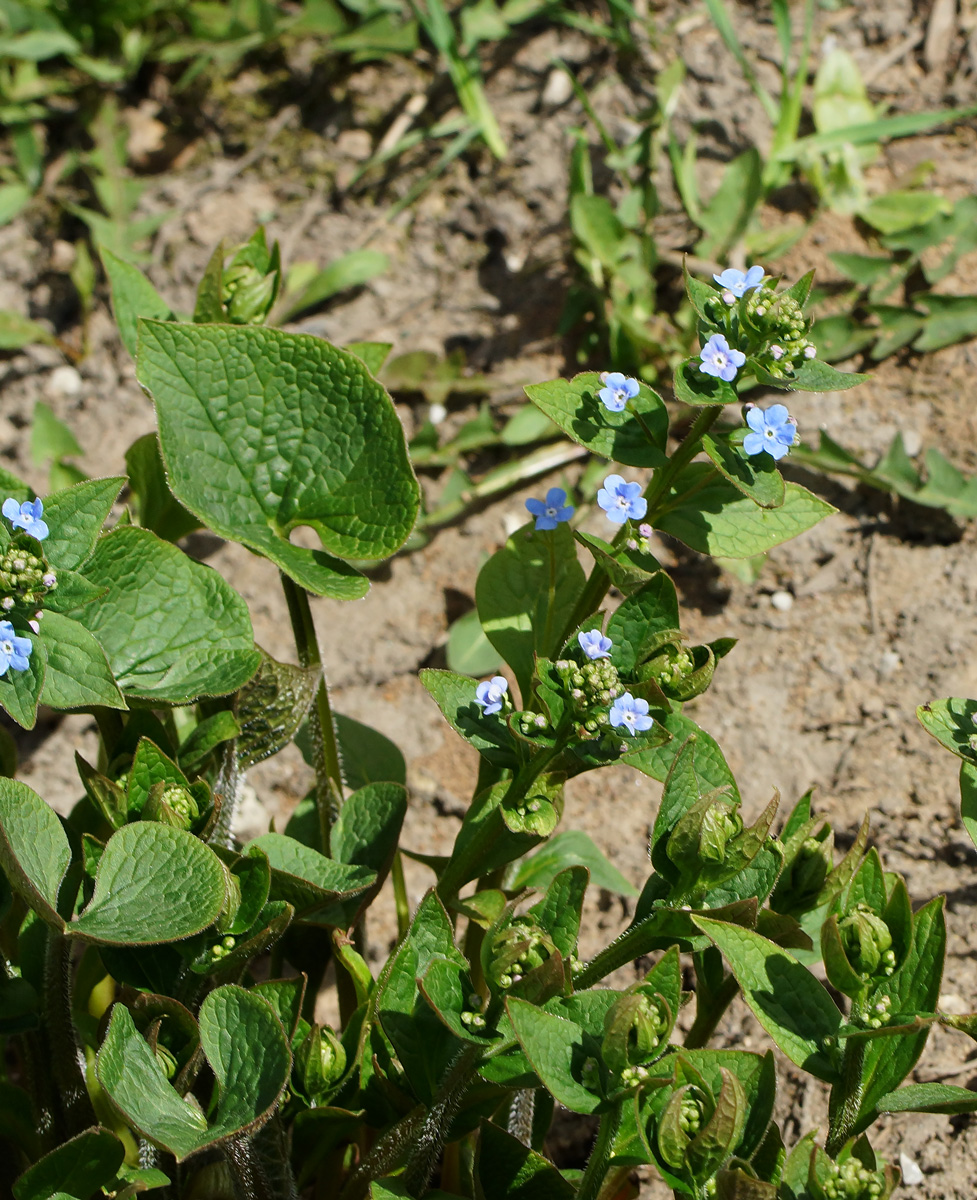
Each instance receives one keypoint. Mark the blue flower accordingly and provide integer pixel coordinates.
(630, 714)
(26, 516)
(551, 511)
(490, 694)
(621, 500)
(773, 431)
(740, 282)
(617, 391)
(14, 650)
(594, 644)
(720, 359)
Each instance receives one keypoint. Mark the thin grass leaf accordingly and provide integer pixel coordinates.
(724, 27)
(904, 125)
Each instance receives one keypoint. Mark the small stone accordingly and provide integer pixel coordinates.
(951, 1003)
(64, 382)
(889, 663)
(912, 442)
(782, 601)
(912, 1176)
(558, 88)
(63, 255)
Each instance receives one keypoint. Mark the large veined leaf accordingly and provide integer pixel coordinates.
(34, 849)
(171, 628)
(264, 431)
(247, 1049)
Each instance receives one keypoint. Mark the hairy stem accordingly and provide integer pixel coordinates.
(521, 1113)
(67, 1063)
(328, 769)
(846, 1097)
(250, 1180)
(430, 1138)
(593, 1176)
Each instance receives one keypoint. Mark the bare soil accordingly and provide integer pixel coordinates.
(881, 608)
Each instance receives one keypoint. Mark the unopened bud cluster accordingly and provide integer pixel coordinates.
(867, 942)
(690, 1119)
(784, 327)
(472, 1016)
(673, 666)
(592, 687)
(24, 579)
(179, 800)
(531, 723)
(632, 1076)
(519, 949)
(877, 1015)
(852, 1180)
(247, 295)
(223, 948)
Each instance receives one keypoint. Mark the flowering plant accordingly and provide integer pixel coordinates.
(160, 978)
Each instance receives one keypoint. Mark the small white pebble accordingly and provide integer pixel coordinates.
(558, 88)
(912, 441)
(951, 1003)
(889, 663)
(436, 414)
(782, 601)
(911, 1174)
(64, 381)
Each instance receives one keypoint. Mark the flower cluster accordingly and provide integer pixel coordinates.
(852, 1180)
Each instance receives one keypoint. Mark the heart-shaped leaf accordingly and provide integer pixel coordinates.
(562, 1054)
(246, 1047)
(171, 628)
(271, 706)
(264, 431)
(154, 884)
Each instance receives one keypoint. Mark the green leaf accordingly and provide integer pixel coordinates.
(968, 799)
(710, 764)
(37, 45)
(149, 767)
(455, 696)
(78, 1167)
(644, 622)
(469, 652)
(693, 386)
(558, 1050)
(568, 849)
(635, 437)
(155, 505)
(368, 756)
(526, 594)
(17, 331)
(373, 354)
(508, 1170)
(305, 878)
(914, 988)
(205, 737)
(246, 1047)
(754, 475)
(558, 913)
(728, 212)
(790, 1004)
(171, 628)
(627, 569)
(816, 376)
(271, 706)
(929, 1098)
(365, 834)
(133, 296)
(34, 849)
(949, 319)
(895, 211)
(20, 691)
(720, 521)
(422, 1043)
(155, 884)
(349, 271)
(75, 518)
(51, 438)
(263, 431)
(952, 723)
(78, 674)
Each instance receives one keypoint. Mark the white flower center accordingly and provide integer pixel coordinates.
(551, 512)
(629, 718)
(622, 501)
(720, 359)
(7, 647)
(768, 432)
(620, 394)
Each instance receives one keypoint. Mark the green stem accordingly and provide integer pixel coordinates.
(709, 1011)
(67, 1064)
(846, 1097)
(401, 902)
(329, 772)
(110, 728)
(599, 581)
(593, 1176)
(429, 1142)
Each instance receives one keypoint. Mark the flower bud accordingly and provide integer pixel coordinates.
(867, 941)
(320, 1062)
